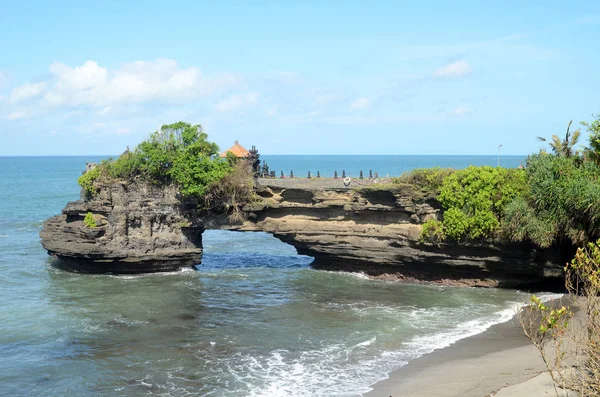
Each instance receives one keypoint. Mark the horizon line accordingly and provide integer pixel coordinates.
(272, 154)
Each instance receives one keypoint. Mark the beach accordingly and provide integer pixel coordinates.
(499, 362)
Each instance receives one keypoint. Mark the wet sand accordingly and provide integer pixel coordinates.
(499, 362)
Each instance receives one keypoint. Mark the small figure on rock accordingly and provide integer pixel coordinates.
(282, 176)
(370, 174)
(360, 176)
(335, 175)
(344, 174)
(309, 175)
(272, 174)
(318, 174)
(376, 175)
(291, 173)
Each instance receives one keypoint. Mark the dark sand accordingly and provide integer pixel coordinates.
(473, 367)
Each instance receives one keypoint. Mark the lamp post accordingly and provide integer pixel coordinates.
(499, 146)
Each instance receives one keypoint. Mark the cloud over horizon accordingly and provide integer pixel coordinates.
(91, 85)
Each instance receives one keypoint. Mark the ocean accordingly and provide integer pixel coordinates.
(254, 319)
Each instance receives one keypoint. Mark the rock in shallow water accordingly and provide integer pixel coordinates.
(144, 228)
(140, 229)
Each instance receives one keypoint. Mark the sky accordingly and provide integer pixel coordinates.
(297, 77)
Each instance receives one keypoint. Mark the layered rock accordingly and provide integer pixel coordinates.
(140, 228)
(377, 231)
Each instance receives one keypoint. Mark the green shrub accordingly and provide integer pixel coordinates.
(474, 200)
(89, 220)
(562, 202)
(177, 154)
(432, 232)
(456, 224)
(86, 181)
(428, 180)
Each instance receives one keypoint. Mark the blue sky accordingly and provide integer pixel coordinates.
(297, 77)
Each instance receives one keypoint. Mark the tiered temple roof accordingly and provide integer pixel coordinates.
(237, 149)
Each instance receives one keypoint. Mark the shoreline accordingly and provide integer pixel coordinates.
(476, 366)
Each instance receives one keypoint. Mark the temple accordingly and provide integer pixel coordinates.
(237, 150)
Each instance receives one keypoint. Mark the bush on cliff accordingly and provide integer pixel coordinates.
(87, 180)
(428, 181)
(90, 220)
(562, 203)
(177, 154)
(474, 200)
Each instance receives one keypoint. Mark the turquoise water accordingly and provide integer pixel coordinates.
(384, 165)
(253, 320)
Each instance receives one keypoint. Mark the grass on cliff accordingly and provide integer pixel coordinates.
(179, 154)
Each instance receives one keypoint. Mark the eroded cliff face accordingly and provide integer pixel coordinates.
(377, 232)
(147, 229)
(140, 228)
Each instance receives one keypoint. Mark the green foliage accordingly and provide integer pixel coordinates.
(593, 151)
(565, 147)
(89, 220)
(521, 223)
(474, 200)
(86, 181)
(194, 172)
(176, 154)
(562, 204)
(456, 224)
(432, 232)
(428, 180)
(229, 193)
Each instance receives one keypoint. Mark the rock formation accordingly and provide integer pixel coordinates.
(377, 232)
(140, 228)
(374, 230)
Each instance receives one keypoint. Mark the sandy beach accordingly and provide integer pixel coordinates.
(498, 362)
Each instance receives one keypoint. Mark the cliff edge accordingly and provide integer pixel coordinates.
(373, 229)
(139, 228)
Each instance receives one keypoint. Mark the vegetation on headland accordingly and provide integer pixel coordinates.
(180, 154)
(553, 200)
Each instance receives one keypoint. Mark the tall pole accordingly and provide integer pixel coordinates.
(499, 146)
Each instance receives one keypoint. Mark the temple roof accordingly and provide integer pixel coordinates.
(237, 150)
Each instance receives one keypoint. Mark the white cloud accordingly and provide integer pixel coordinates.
(454, 69)
(359, 104)
(237, 101)
(460, 111)
(16, 114)
(142, 81)
(26, 91)
(104, 111)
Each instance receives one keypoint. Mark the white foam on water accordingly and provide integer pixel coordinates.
(157, 274)
(358, 275)
(330, 372)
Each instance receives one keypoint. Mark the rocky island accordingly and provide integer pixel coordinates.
(377, 230)
(146, 212)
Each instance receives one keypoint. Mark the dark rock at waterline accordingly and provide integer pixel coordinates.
(140, 229)
(376, 231)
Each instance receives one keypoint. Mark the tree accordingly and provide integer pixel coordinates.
(592, 153)
(566, 146)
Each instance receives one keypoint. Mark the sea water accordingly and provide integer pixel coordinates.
(254, 319)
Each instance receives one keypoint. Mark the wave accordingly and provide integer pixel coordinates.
(331, 371)
(184, 270)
